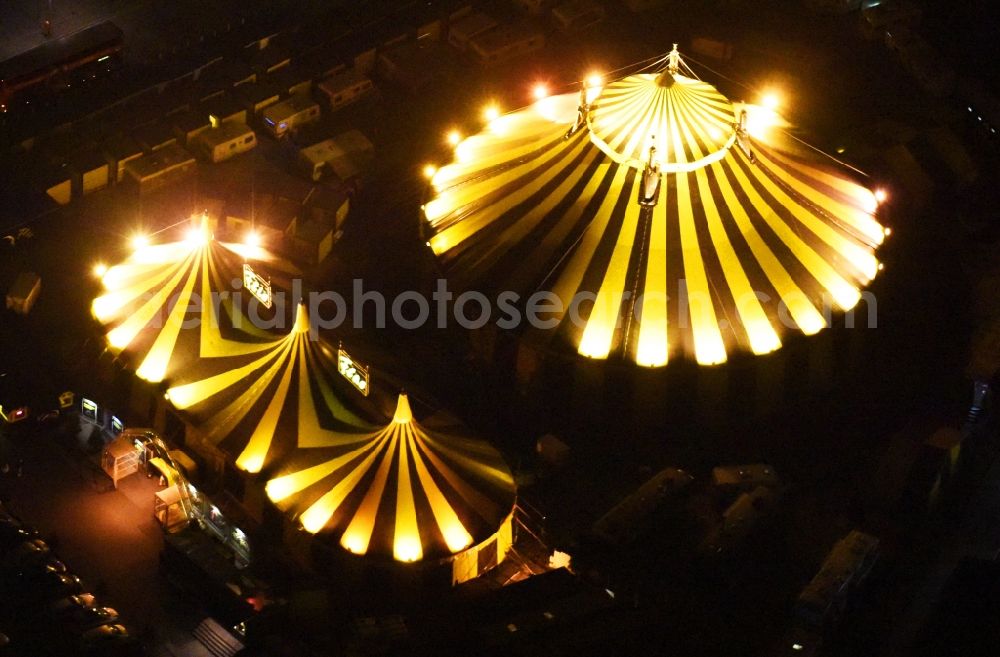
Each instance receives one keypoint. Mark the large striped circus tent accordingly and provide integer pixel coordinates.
(178, 307)
(667, 220)
(407, 490)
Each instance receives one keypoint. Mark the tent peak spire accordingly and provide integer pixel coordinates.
(301, 318)
(403, 413)
(666, 79)
(673, 61)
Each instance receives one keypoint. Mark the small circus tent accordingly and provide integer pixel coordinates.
(287, 394)
(176, 306)
(407, 490)
(667, 221)
(388, 488)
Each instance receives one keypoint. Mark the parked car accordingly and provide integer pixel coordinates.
(33, 550)
(73, 602)
(82, 619)
(49, 566)
(46, 586)
(13, 533)
(103, 634)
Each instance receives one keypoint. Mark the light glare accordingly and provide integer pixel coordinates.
(540, 91)
(100, 269)
(139, 242)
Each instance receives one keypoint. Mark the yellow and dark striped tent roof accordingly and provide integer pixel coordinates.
(284, 395)
(175, 307)
(407, 490)
(392, 488)
(747, 234)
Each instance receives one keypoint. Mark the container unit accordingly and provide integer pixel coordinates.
(224, 109)
(91, 172)
(58, 184)
(313, 240)
(257, 97)
(226, 74)
(119, 151)
(291, 81)
(269, 59)
(154, 136)
(188, 125)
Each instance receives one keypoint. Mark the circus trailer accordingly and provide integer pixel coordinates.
(506, 42)
(288, 115)
(469, 26)
(225, 141)
(697, 239)
(189, 125)
(164, 167)
(344, 88)
(346, 156)
(576, 15)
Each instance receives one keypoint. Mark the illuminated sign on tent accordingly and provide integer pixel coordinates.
(353, 371)
(258, 286)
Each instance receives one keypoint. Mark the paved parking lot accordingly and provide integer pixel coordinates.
(108, 537)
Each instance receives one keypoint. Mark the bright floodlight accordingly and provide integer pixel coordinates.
(100, 269)
(491, 112)
(253, 238)
(771, 101)
(454, 137)
(429, 171)
(196, 236)
(139, 242)
(540, 91)
(594, 80)
(881, 195)
(760, 120)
